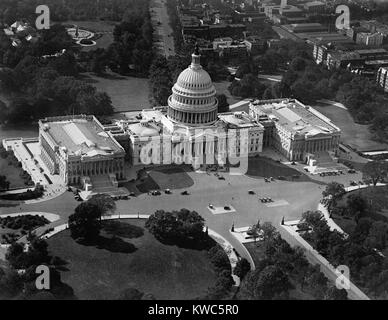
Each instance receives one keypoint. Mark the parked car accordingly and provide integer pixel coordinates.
(266, 180)
(227, 208)
(221, 178)
(132, 194)
(211, 206)
(156, 193)
(185, 193)
(167, 191)
(251, 192)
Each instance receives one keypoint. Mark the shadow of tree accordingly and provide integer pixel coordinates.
(113, 244)
(201, 243)
(121, 229)
(59, 263)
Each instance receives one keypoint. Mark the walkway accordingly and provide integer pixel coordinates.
(333, 103)
(289, 233)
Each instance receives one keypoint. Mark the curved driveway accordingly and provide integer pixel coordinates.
(300, 196)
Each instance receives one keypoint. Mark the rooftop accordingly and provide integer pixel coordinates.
(314, 3)
(237, 119)
(295, 117)
(80, 136)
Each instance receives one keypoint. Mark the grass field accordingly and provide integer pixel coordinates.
(12, 174)
(167, 272)
(160, 179)
(264, 167)
(127, 93)
(356, 135)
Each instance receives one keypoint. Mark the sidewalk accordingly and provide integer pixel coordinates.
(294, 239)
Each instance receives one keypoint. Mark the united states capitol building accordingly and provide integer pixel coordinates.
(189, 130)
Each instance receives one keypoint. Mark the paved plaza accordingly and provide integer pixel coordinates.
(232, 192)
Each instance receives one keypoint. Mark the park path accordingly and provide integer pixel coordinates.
(289, 233)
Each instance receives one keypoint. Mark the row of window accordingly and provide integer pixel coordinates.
(194, 101)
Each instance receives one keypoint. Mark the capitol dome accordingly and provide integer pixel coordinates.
(193, 101)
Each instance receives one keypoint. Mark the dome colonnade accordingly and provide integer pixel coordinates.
(193, 101)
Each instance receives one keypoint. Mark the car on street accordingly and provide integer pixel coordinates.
(167, 191)
(185, 193)
(227, 208)
(266, 180)
(251, 192)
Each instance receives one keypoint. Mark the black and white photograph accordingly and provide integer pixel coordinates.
(194, 155)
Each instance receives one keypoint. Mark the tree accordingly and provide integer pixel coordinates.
(267, 95)
(298, 64)
(131, 294)
(356, 206)
(375, 170)
(4, 183)
(378, 235)
(223, 105)
(271, 283)
(85, 224)
(332, 293)
(332, 193)
(242, 268)
(11, 283)
(104, 202)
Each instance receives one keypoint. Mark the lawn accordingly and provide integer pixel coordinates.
(265, 167)
(377, 197)
(102, 272)
(12, 174)
(127, 93)
(355, 135)
(162, 178)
